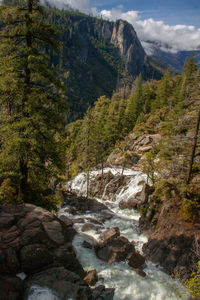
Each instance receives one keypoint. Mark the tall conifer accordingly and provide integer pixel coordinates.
(32, 108)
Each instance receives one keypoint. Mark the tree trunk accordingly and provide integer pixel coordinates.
(193, 149)
(88, 183)
(23, 164)
(102, 175)
(123, 169)
(24, 180)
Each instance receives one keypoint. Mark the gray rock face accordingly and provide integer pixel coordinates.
(34, 257)
(120, 34)
(139, 200)
(63, 283)
(35, 242)
(125, 38)
(33, 239)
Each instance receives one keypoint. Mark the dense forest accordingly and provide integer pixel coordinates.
(32, 107)
(38, 150)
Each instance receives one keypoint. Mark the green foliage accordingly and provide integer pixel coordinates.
(32, 105)
(149, 166)
(8, 192)
(193, 283)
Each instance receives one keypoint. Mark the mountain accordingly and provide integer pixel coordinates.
(99, 56)
(163, 53)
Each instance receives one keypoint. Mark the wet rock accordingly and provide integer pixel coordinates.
(82, 204)
(174, 253)
(11, 263)
(130, 204)
(114, 250)
(68, 222)
(89, 226)
(94, 221)
(91, 278)
(10, 236)
(34, 257)
(139, 200)
(136, 260)
(140, 272)
(54, 231)
(11, 288)
(6, 220)
(33, 240)
(78, 220)
(109, 234)
(28, 222)
(101, 293)
(36, 235)
(65, 256)
(87, 245)
(63, 283)
(72, 211)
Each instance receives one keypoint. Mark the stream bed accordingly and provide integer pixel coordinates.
(128, 285)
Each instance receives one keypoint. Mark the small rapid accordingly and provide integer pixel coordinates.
(41, 293)
(127, 283)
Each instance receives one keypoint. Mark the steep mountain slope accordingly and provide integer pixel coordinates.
(99, 56)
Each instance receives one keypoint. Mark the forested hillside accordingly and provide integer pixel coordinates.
(97, 57)
(169, 107)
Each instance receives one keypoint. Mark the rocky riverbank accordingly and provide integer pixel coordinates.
(172, 243)
(36, 252)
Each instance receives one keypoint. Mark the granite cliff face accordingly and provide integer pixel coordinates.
(131, 51)
(99, 56)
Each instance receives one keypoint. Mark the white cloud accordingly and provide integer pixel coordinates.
(171, 38)
(82, 5)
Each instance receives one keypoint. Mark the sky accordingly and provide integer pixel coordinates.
(175, 23)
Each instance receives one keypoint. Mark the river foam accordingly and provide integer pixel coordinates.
(128, 285)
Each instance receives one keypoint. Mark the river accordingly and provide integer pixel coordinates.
(128, 285)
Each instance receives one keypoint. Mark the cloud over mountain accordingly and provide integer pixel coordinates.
(169, 38)
(82, 5)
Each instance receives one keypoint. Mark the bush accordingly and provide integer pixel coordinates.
(8, 192)
(193, 284)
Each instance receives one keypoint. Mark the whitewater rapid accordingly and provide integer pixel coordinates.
(127, 283)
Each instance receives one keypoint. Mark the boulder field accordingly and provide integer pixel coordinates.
(36, 250)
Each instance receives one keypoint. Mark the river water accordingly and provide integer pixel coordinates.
(127, 283)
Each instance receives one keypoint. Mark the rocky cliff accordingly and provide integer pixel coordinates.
(99, 56)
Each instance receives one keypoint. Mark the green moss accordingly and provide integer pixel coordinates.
(193, 283)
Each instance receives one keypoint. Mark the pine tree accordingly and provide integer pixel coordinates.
(32, 108)
(189, 67)
(164, 92)
(99, 138)
(134, 105)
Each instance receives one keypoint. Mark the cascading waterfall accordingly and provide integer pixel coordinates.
(128, 285)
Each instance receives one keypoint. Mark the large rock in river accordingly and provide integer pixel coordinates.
(116, 248)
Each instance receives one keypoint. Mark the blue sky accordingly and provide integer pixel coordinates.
(173, 24)
(172, 12)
